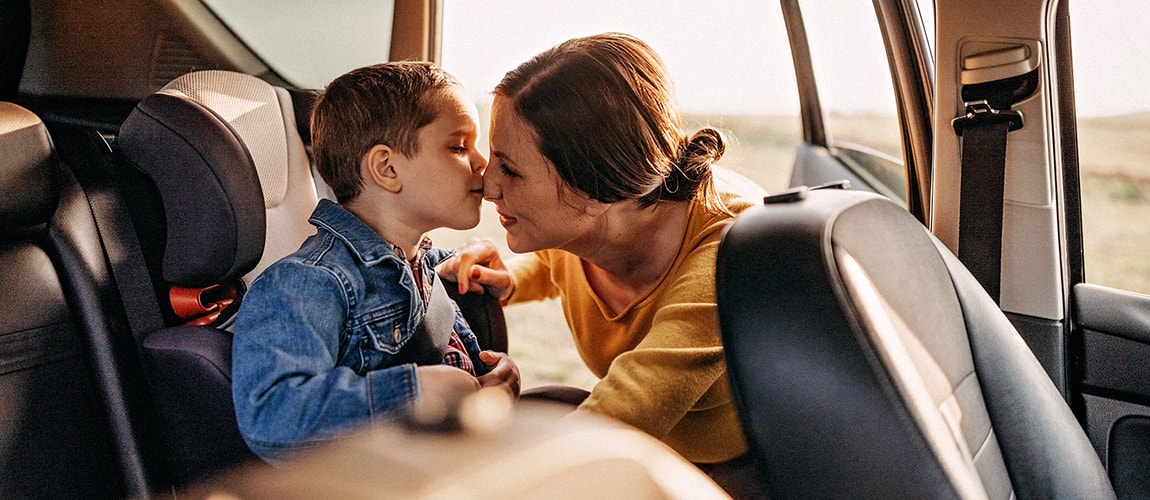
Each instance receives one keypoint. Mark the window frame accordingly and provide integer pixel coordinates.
(912, 76)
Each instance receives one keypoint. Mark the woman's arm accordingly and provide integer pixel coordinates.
(478, 268)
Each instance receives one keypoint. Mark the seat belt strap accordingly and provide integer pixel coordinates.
(439, 321)
(115, 227)
(429, 342)
(983, 131)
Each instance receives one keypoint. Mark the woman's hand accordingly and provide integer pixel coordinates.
(477, 268)
(504, 372)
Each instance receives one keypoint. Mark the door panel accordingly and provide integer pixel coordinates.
(816, 165)
(1113, 338)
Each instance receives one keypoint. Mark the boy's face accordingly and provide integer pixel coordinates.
(444, 179)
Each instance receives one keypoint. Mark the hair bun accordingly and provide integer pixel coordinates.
(692, 168)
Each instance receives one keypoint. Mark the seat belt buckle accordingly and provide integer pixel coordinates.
(980, 112)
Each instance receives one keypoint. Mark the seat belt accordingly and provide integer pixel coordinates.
(983, 131)
(89, 155)
(429, 342)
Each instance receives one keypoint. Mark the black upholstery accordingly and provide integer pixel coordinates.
(192, 374)
(65, 428)
(15, 28)
(1129, 458)
(866, 362)
(208, 183)
(223, 153)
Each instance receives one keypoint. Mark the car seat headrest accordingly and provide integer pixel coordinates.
(207, 181)
(233, 175)
(27, 169)
(252, 108)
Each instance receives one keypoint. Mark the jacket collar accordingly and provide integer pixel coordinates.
(367, 245)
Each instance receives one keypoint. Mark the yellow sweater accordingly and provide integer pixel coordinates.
(660, 360)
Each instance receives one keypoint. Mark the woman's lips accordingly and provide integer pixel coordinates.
(506, 220)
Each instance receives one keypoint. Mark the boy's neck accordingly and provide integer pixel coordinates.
(389, 228)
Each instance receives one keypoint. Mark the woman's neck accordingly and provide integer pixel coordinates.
(635, 248)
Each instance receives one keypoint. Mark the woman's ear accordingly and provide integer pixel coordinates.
(377, 163)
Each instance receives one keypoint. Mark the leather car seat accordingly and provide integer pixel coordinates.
(867, 362)
(66, 426)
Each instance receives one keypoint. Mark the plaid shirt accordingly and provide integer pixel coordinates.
(456, 354)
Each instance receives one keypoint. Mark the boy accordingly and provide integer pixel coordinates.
(324, 338)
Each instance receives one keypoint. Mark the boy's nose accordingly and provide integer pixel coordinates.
(478, 162)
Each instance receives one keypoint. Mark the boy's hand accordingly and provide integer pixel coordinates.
(447, 383)
(477, 268)
(504, 372)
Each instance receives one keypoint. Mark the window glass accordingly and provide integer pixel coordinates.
(855, 90)
(1113, 110)
(323, 41)
(926, 15)
(731, 67)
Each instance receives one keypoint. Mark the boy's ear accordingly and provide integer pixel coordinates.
(377, 163)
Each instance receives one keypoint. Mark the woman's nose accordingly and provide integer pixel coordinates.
(491, 187)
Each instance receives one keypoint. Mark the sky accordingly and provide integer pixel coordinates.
(690, 36)
(485, 38)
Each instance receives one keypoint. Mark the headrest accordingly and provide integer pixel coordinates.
(27, 169)
(252, 108)
(206, 176)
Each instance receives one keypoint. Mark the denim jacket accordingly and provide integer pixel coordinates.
(316, 332)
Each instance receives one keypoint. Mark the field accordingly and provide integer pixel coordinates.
(1116, 207)
(1115, 162)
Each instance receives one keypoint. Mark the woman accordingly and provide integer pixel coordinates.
(617, 213)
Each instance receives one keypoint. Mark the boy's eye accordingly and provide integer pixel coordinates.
(459, 149)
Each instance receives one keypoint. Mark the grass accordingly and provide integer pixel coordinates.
(1115, 191)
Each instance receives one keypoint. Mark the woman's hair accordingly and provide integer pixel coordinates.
(604, 114)
(379, 104)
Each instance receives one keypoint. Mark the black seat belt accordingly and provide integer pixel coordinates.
(429, 342)
(89, 155)
(983, 131)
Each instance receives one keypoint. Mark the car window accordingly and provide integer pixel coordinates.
(855, 91)
(1113, 111)
(323, 41)
(731, 67)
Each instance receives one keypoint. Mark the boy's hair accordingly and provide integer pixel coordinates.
(380, 104)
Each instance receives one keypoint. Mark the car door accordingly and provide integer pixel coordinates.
(1109, 344)
(1073, 203)
(865, 97)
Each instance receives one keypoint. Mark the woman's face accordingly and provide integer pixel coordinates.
(536, 207)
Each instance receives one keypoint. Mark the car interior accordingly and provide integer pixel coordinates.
(152, 165)
(898, 370)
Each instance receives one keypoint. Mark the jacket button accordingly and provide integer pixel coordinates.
(398, 336)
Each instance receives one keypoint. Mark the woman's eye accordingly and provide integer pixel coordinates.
(507, 171)
(459, 149)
